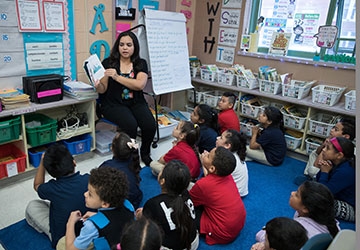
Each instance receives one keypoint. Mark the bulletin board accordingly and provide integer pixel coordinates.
(163, 44)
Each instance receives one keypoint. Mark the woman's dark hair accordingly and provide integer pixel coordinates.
(237, 141)
(275, 116)
(209, 115)
(123, 152)
(177, 178)
(348, 149)
(141, 234)
(192, 133)
(58, 161)
(319, 201)
(115, 54)
(285, 234)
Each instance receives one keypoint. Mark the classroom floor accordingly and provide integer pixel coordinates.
(15, 197)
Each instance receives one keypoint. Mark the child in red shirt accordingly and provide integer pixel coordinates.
(220, 212)
(227, 117)
(186, 135)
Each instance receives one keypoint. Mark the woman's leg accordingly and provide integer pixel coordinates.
(147, 124)
(123, 117)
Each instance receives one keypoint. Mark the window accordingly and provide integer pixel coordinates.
(302, 19)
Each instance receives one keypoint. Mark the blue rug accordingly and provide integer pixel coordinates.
(269, 192)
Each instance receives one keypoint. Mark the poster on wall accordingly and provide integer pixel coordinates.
(232, 3)
(225, 55)
(28, 15)
(228, 36)
(326, 36)
(279, 43)
(230, 18)
(54, 16)
(41, 56)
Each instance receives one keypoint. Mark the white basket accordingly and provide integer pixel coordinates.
(292, 142)
(321, 124)
(325, 94)
(242, 81)
(297, 89)
(211, 98)
(246, 128)
(189, 109)
(269, 87)
(225, 78)
(207, 75)
(311, 146)
(350, 100)
(293, 121)
(198, 95)
(250, 110)
(193, 71)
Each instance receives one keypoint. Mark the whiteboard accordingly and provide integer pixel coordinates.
(164, 45)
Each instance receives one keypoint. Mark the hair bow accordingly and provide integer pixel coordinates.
(133, 144)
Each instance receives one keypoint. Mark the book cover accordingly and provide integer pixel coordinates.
(279, 43)
(94, 69)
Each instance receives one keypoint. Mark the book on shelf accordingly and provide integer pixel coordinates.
(94, 69)
(15, 101)
(77, 86)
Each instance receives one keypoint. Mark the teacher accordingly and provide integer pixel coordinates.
(121, 92)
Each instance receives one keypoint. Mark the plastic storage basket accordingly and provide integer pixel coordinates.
(292, 142)
(13, 160)
(311, 145)
(269, 86)
(193, 71)
(321, 124)
(9, 129)
(250, 110)
(293, 121)
(207, 75)
(242, 81)
(350, 100)
(79, 144)
(211, 98)
(40, 129)
(35, 155)
(198, 95)
(225, 78)
(328, 95)
(297, 89)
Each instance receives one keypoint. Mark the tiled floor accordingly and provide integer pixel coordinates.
(15, 197)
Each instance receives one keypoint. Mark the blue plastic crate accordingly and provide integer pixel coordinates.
(79, 144)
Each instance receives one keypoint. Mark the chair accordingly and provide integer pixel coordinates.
(318, 242)
(344, 240)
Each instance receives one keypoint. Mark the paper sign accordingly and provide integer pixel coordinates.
(225, 55)
(245, 42)
(230, 18)
(279, 43)
(327, 36)
(228, 36)
(11, 169)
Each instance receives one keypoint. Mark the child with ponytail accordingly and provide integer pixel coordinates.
(184, 149)
(173, 209)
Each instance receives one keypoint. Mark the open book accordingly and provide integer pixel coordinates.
(94, 69)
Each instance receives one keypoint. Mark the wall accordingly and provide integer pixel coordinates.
(204, 29)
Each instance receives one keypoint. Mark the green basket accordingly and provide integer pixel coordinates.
(9, 129)
(40, 134)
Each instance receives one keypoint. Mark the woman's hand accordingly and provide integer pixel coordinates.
(111, 72)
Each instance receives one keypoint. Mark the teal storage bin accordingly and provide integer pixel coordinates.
(79, 144)
(40, 129)
(9, 129)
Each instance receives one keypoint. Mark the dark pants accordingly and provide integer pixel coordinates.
(129, 117)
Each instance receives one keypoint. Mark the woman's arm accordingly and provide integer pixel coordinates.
(136, 84)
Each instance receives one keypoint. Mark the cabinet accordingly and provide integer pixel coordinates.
(311, 109)
(56, 111)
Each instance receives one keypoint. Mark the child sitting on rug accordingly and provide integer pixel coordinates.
(314, 206)
(60, 195)
(343, 128)
(236, 143)
(268, 146)
(220, 212)
(107, 191)
(126, 158)
(173, 209)
(207, 119)
(282, 233)
(227, 117)
(186, 135)
(337, 172)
